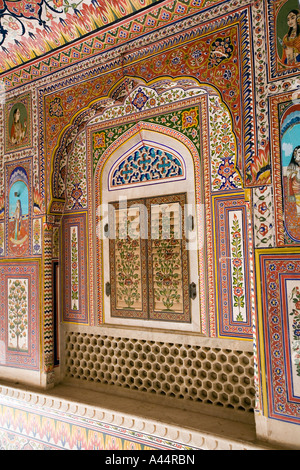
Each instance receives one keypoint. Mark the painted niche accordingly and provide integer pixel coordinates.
(19, 213)
(18, 123)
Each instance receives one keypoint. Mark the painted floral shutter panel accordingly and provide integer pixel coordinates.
(127, 246)
(167, 259)
(149, 273)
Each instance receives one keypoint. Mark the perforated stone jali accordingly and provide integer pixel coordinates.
(209, 375)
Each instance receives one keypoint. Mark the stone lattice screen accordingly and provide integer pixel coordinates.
(209, 375)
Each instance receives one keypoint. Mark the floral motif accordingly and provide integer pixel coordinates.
(221, 49)
(76, 195)
(76, 178)
(197, 55)
(74, 269)
(22, 9)
(99, 140)
(167, 272)
(140, 99)
(166, 261)
(190, 118)
(226, 169)
(295, 298)
(222, 143)
(37, 236)
(56, 108)
(263, 216)
(127, 261)
(237, 264)
(259, 170)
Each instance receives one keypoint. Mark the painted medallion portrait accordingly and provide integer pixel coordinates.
(18, 123)
(288, 33)
(290, 161)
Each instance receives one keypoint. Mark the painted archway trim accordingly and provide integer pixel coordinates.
(121, 96)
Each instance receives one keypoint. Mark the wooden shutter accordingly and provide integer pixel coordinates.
(149, 273)
(127, 246)
(168, 271)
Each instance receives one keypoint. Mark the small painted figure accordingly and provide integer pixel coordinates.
(291, 41)
(18, 219)
(293, 175)
(18, 131)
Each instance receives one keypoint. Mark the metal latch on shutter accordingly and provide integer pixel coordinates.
(106, 231)
(190, 225)
(107, 289)
(193, 290)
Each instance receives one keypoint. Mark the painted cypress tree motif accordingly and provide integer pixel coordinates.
(18, 314)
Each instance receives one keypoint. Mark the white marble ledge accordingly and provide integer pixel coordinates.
(196, 430)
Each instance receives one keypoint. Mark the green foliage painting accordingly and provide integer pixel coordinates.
(18, 314)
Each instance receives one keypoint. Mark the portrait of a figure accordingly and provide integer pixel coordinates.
(18, 124)
(18, 238)
(290, 160)
(288, 34)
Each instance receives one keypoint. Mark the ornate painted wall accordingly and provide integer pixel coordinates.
(200, 95)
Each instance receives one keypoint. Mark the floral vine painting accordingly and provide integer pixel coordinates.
(237, 266)
(128, 259)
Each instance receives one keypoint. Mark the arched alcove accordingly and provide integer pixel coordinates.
(213, 162)
(162, 190)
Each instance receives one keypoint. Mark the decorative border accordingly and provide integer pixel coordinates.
(27, 409)
(274, 267)
(227, 326)
(2, 238)
(46, 27)
(49, 430)
(23, 269)
(155, 24)
(235, 25)
(82, 314)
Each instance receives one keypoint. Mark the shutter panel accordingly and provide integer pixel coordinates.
(128, 275)
(168, 271)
